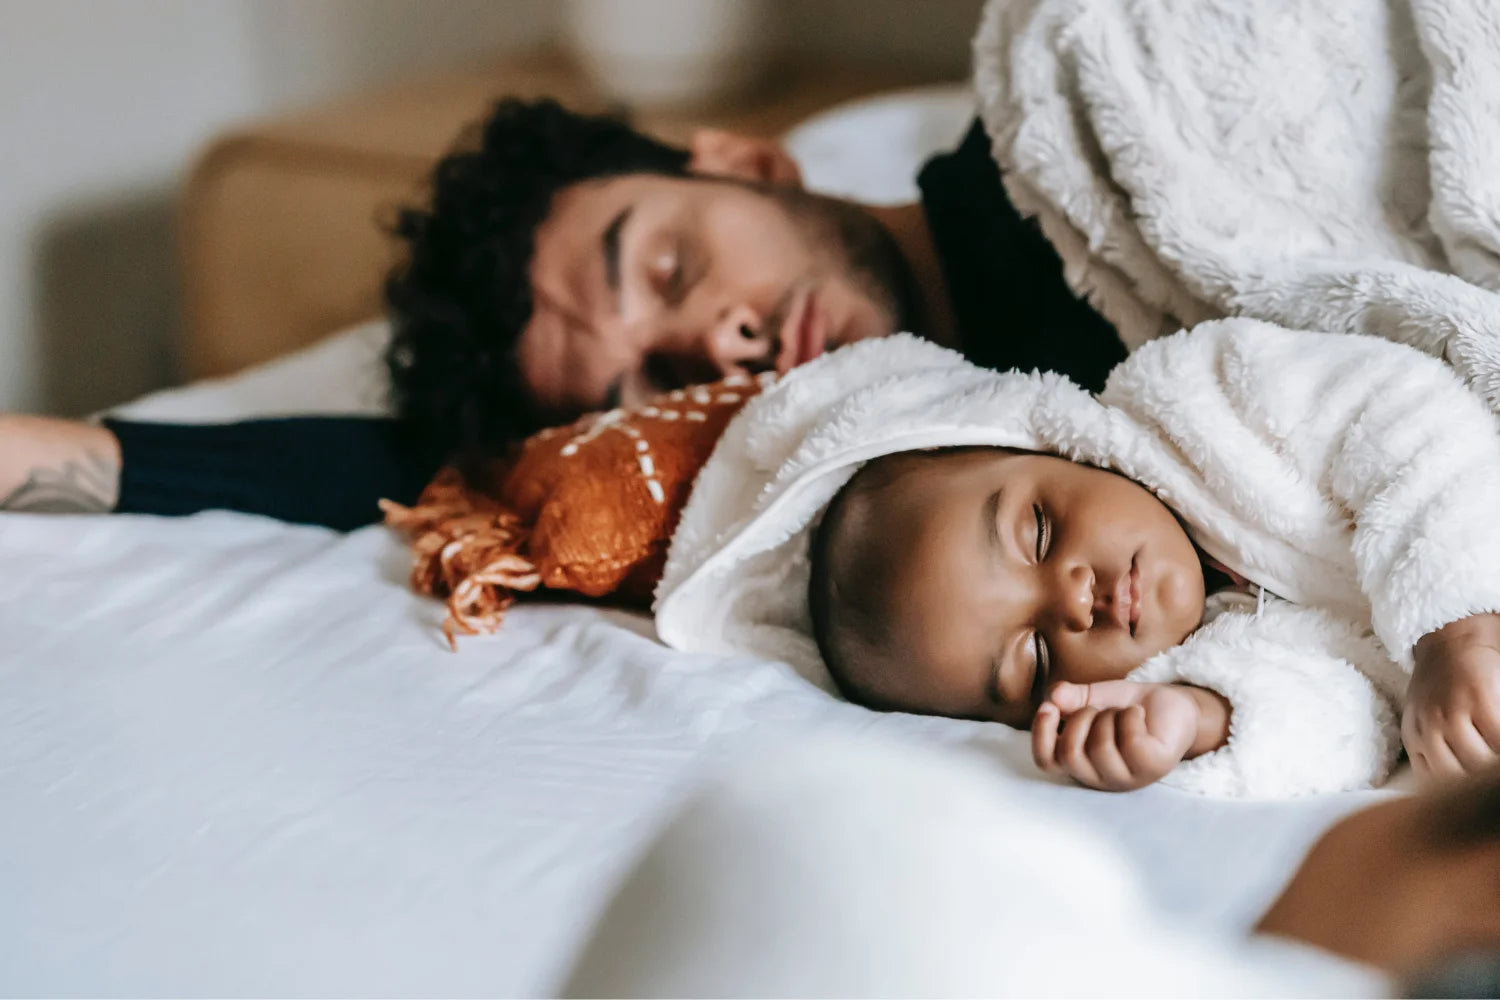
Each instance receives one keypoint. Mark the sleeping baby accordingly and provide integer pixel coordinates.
(1251, 566)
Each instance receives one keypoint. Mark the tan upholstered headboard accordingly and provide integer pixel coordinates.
(282, 236)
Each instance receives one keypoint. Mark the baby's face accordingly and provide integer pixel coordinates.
(1019, 570)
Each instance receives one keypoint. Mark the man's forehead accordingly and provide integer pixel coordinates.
(600, 193)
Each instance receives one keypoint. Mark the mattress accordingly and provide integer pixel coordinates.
(236, 756)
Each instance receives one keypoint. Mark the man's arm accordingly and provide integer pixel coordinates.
(331, 471)
(1402, 885)
(54, 466)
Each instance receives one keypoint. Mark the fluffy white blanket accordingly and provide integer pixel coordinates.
(1354, 477)
(1324, 166)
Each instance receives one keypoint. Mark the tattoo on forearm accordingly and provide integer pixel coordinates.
(86, 485)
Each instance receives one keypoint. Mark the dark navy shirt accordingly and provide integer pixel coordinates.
(1012, 306)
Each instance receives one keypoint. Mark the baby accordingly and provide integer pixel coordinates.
(987, 583)
(954, 564)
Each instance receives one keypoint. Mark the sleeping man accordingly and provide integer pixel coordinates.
(1249, 567)
(566, 263)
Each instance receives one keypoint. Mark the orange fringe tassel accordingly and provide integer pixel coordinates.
(468, 549)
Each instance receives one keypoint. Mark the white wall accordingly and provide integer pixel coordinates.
(103, 103)
(308, 49)
(94, 119)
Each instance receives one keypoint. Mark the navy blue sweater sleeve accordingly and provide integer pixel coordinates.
(309, 470)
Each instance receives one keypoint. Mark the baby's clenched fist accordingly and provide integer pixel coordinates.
(1452, 719)
(1121, 735)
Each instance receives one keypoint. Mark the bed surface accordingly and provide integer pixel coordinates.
(236, 757)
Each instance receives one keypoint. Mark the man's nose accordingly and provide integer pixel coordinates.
(738, 342)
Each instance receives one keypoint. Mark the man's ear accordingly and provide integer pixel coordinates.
(729, 154)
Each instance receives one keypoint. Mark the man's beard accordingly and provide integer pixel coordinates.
(864, 250)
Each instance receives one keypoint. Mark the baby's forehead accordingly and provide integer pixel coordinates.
(885, 481)
(885, 522)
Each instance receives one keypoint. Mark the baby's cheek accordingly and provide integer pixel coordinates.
(1181, 596)
(1101, 659)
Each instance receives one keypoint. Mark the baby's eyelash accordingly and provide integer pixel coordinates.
(1042, 531)
(1041, 669)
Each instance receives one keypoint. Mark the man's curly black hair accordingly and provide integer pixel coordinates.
(460, 300)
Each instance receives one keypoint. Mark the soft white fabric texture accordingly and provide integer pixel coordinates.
(1326, 166)
(854, 867)
(1352, 476)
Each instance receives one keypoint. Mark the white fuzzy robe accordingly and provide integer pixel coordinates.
(1355, 478)
(1320, 164)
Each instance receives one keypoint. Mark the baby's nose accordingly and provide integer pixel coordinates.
(1077, 600)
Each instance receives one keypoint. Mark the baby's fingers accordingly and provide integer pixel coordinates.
(1468, 747)
(1104, 753)
(1147, 757)
(1072, 747)
(1487, 724)
(1432, 758)
(1135, 739)
(1044, 739)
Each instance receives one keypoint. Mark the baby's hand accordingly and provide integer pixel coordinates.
(1122, 735)
(1452, 718)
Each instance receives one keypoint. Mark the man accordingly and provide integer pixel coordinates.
(566, 263)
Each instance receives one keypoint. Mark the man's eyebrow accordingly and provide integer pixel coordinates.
(611, 245)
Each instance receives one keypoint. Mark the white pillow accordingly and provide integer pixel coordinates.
(871, 150)
(344, 373)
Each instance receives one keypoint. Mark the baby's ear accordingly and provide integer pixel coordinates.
(729, 154)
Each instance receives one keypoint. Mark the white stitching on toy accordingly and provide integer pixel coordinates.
(616, 420)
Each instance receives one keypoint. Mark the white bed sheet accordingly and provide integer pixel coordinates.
(237, 758)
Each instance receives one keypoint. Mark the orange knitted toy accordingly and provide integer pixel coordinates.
(588, 508)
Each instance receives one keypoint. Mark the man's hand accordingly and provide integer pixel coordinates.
(1405, 883)
(1452, 720)
(1122, 735)
(52, 466)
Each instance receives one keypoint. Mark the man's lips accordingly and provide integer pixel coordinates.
(803, 335)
